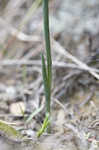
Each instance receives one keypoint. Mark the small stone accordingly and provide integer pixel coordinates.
(17, 108)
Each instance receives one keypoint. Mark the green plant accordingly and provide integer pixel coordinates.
(7, 130)
(46, 69)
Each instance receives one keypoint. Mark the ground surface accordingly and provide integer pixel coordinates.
(75, 97)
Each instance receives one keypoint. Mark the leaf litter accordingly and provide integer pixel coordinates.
(75, 113)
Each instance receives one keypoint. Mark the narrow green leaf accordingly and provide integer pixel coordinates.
(8, 131)
(44, 125)
(44, 72)
(46, 85)
(47, 40)
(34, 114)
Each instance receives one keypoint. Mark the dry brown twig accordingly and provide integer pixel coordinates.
(59, 49)
(18, 34)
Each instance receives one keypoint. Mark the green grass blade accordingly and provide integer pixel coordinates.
(46, 85)
(34, 114)
(46, 70)
(47, 40)
(44, 125)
